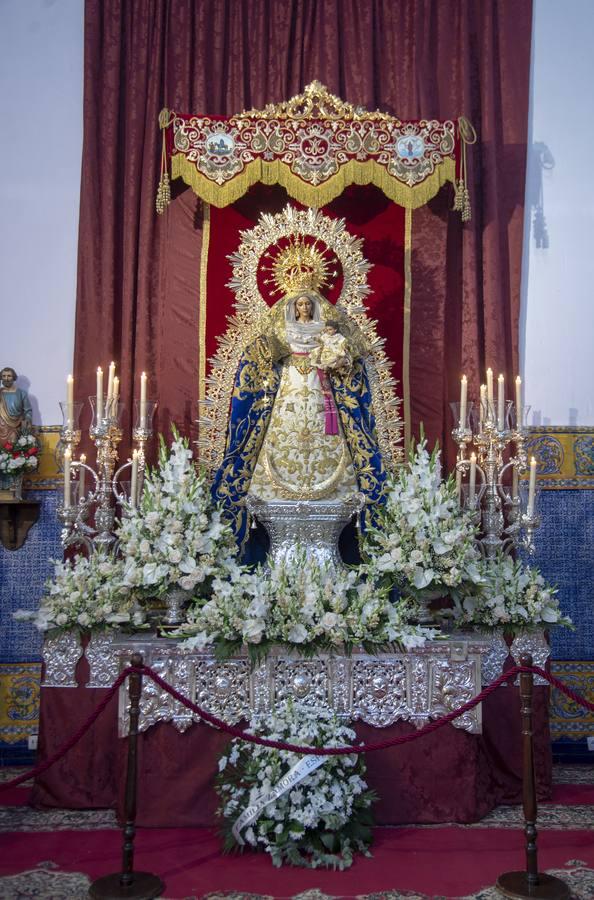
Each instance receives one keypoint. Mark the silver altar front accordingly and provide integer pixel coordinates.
(379, 690)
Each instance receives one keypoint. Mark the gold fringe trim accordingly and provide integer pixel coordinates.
(202, 303)
(406, 328)
(277, 172)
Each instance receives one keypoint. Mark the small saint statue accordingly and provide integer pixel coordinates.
(15, 407)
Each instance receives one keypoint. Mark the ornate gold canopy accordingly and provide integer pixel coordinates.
(314, 145)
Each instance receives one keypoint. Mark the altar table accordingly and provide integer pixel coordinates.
(450, 775)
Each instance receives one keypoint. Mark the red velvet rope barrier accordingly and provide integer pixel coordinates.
(63, 750)
(281, 745)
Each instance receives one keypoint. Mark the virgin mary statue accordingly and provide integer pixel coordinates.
(301, 423)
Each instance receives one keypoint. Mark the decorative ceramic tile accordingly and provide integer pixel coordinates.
(565, 555)
(19, 701)
(568, 720)
(22, 576)
(565, 456)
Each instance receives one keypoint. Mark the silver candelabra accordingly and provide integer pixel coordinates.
(491, 459)
(97, 505)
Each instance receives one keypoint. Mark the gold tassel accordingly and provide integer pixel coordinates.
(462, 194)
(164, 189)
(458, 195)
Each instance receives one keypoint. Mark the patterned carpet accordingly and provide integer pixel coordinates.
(23, 818)
(577, 876)
(573, 774)
(551, 816)
(50, 881)
(45, 881)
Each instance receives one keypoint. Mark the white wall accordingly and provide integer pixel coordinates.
(41, 57)
(558, 280)
(41, 64)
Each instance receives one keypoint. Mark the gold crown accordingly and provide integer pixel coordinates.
(299, 267)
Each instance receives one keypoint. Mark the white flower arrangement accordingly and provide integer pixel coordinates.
(84, 594)
(424, 544)
(320, 822)
(303, 604)
(19, 456)
(512, 596)
(175, 537)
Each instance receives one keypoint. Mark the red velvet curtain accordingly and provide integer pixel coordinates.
(139, 274)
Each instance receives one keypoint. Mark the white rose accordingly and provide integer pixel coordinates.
(297, 634)
(423, 577)
(329, 621)
(253, 630)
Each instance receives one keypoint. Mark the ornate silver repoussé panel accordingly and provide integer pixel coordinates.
(379, 690)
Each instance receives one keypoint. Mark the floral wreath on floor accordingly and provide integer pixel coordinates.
(311, 811)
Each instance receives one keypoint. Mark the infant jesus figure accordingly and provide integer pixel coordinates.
(333, 352)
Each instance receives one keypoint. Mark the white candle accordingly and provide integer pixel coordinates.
(483, 402)
(70, 402)
(134, 482)
(99, 394)
(116, 390)
(519, 412)
(143, 400)
(81, 475)
(472, 485)
(501, 403)
(531, 488)
(110, 377)
(463, 401)
(515, 483)
(67, 458)
(490, 385)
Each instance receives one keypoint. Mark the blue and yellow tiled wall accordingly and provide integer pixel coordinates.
(565, 555)
(22, 576)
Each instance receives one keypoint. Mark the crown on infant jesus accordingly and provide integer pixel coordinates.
(299, 267)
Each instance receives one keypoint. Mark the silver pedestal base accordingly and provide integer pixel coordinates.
(311, 525)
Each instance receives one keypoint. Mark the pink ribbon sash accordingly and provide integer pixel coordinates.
(330, 415)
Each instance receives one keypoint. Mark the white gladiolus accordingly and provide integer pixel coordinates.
(301, 602)
(83, 594)
(423, 543)
(510, 595)
(175, 536)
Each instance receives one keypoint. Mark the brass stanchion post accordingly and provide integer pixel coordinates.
(128, 883)
(530, 883)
